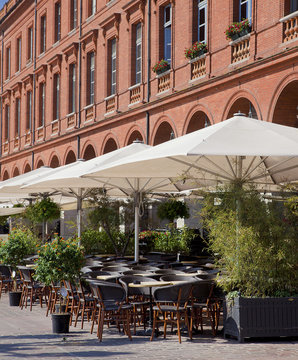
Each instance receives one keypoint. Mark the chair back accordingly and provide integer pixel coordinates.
(5, 272)
(110, 293)
(132, 291)
(178, 278)
(178, 294)
(202, 290)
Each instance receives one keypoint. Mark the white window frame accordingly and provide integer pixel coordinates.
(91, 79)
(74, 14)
(29, 110)
(72, 88)
(43, 29)
(19, 57)
(57, 21)
(30, 43)
(167, 24)
(203, 5)
(248, 2)
(56, 97)
(113, 66)
(18, 116)
(138, 59)
(42, 99)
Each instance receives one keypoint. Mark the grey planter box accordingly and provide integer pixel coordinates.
(261, 317)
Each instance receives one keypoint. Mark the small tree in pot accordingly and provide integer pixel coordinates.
(59, 260)
(20, 243)
(255, 246)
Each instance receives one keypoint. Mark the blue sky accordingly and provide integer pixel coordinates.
(2, 2)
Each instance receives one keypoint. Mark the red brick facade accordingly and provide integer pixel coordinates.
(256, 74)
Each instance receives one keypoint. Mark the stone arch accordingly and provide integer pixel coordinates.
(5, 175)
(70, 157)
(284, 105)
(199, 120)
(27, 168)
(89, 152)
(110, 145)
(15, 172)
(54, 163)
(134, 135)
(40, 163)
(244, 102)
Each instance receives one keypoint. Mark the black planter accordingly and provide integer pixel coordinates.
(60, 323)
(245, 31)
(261, 317)
(14, 298)
(234, 36)
(162, 70)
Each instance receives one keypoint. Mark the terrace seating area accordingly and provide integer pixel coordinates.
(135, 298)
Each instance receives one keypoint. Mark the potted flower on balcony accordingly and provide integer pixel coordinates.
(254, 243)
(161, 66)
(196, 50)
(59, 260)
(20, 243)
(238, 29)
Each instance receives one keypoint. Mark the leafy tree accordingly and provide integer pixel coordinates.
(172, 209)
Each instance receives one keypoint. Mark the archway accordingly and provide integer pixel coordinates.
(54, 162)
(70, 158)
(110, 146)
(286, 108)
(5, 175)
(244, 106)
(164, 133)
(27, 169)
(15, 172)
(39, 164)
(198, 121)
(89, 153)
(135, 135)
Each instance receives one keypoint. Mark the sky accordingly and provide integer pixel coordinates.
(2, 2)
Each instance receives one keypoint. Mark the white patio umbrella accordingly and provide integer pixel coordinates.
(238, 149)
(67, 180)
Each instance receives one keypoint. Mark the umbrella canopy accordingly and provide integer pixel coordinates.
(67, 180)
(239, 148)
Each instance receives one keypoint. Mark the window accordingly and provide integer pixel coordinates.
(56, 97)
(91, 7)
(17, 117)
(8, 63)
(202, 21)
(294, 6)
(244, 9)
(73, 14)
(42, 34)
(30, 44)
(138, 53)
(42, 99)
(29, 110)
(6, 122)
(90, 78)
(72, 88)
(113, 57)
(19, 54)
(167, 32)
(57, 21)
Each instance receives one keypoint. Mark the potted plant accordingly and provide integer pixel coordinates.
(59, 260)
(196, 50)
(20, 243)
(254, 243)
(161, 66)
(238, 29)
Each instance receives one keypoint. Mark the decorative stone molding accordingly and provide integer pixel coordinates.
(110, 26)
(89, 40)
(55, 63)
(41, 73)
(135, 11)
(71, 52)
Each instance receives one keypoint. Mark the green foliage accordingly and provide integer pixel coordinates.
(59, 260)
(174, 241)
(98, 242)
(20, 243)
(172, 209)
(42, 210)
(254, 242)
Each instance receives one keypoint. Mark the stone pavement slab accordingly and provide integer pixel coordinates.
(28, 335)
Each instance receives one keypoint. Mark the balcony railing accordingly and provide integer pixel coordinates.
(164, 81)
(5, 147)
(198, 68)
(71, 120)
(40, 134)
(135, 94)
(110, 103)
(16, 143)
(291, 26)
(240, 49)
(89, 113)
(55, 127)
(27, 139)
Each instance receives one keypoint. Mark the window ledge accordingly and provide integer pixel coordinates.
(134, 86)
(162, 92)
(109, 97)
(110, 113)
(89, 18)
(56, 43)
(54, 121)
(72, 31)
(73, 113)
(85, 108)
(289, 17)
(242, 38)
(197, 58)
(163, 74)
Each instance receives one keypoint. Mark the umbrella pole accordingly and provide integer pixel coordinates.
(137, 226)
(79, 215)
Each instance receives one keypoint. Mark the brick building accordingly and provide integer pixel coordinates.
(77, 79)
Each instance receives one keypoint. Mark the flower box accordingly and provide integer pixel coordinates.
(238, 29)
(161, 67)
(196, 50)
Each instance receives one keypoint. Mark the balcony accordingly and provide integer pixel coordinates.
(5, 147)
(164, 81)
(40, 134)
(198, 67)
(16, 143)
(135, 94)
(71, 120)
(55, 127)
(89, 113)
(27, 139)
(240, 49)
(110, 103)
(290, 26)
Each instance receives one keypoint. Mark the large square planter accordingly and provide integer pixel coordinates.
(260, 317)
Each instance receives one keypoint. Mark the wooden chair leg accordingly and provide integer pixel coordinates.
(178, 326)
(154, 324)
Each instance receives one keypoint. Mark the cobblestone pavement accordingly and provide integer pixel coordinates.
(28, 335)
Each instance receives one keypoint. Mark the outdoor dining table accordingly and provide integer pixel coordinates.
(150, 285)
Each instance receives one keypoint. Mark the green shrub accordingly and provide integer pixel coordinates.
(172, 209)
